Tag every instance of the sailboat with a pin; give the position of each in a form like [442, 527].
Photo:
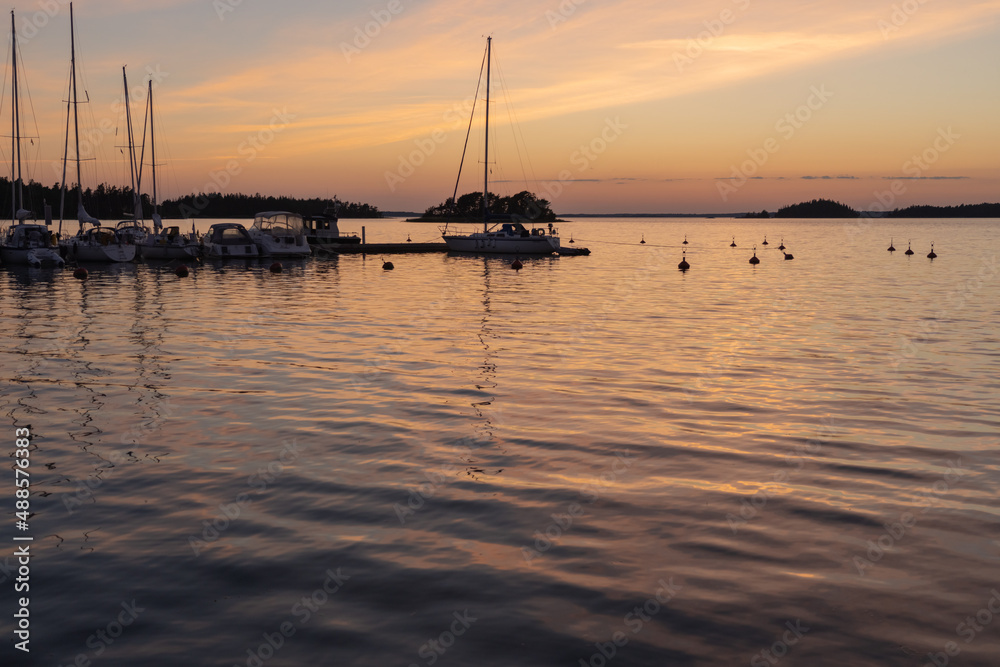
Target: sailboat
[97, 243]
[163, 243]
[501, 234]
[23, 243]
[132, 230]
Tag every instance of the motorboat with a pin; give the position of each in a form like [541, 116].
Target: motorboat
[229, 239]
[280, 234]
[323, 232]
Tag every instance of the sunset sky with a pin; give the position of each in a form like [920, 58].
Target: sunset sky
[630, 106]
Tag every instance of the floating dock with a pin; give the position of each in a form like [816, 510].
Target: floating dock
[382, 248]
[399, 248]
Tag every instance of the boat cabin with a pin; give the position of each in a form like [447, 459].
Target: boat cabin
[229, 233]
[29, 236]
[279, 223]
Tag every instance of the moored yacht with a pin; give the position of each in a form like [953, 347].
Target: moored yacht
[23, 243]
[280, 234]
[96, 244]
[323, 233]
[228, 239]
[501, 234]
[29, 244]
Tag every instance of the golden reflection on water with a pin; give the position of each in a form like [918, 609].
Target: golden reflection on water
[489, 402]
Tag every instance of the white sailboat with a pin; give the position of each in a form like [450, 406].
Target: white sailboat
[97, 243]
[22, 243]
[163, 243]
[132, 230]
[501, 234]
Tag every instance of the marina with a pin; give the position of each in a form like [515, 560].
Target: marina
[282, 389]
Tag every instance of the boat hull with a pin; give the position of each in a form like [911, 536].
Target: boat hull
[219, 251]
[112, 252]
[487, 243]
[168, 251]
[281, 246]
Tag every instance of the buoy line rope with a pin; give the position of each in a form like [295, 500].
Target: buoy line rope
[689, 246]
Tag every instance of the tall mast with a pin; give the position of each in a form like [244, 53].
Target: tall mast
[13, 122]
[76, 123]
[131, 148]
[152, 143]
[486, 150]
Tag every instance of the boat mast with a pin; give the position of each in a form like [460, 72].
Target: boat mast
[152, 151]
[131, 149]
[13, 121]
[486, 150]
[76, 123]
[17, 202]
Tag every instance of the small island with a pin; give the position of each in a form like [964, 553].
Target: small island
[817, 208]
[524, 206]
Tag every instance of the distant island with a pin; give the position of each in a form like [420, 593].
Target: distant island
[817, 208]
[524, 205]
[827, 208]
[963, 211]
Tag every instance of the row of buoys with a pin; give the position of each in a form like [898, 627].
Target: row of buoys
[642, 241]
[909, 249]
[684, 265]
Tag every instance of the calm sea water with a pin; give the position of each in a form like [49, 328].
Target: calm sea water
[595, 460]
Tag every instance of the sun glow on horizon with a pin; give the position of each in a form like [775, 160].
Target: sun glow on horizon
[310, 100]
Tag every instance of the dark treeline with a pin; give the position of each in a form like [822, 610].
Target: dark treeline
[964, 211]
[110, 203]
[469, 206]
[106, 202]
[238, 205]
[826, 208]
